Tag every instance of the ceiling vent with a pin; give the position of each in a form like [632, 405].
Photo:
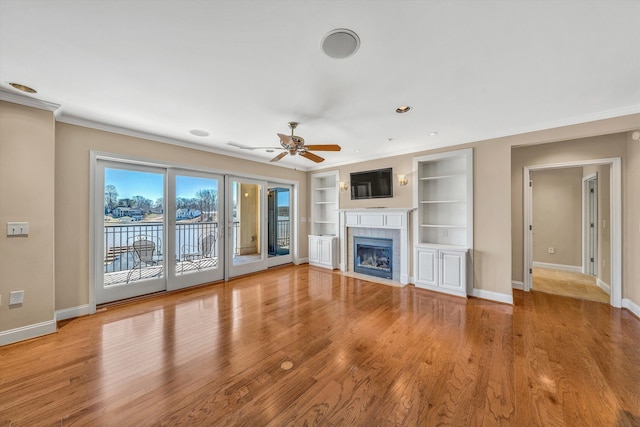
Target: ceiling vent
[340, 43]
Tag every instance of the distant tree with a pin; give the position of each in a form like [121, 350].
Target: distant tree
[182, 203]
[125, 203]
[208, 202]
[159, 203]
[141, 202]
[110, 197]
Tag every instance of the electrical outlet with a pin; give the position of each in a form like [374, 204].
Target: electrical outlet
[16, 297]
[551, 250]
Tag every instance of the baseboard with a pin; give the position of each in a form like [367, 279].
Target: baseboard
[27, 332]
[631, 306]
[300, 261]
[492, 296]
[517, 285]
[604, 286]
[70, 313]
[571, 268]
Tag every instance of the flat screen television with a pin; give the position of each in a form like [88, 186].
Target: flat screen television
[374, 184]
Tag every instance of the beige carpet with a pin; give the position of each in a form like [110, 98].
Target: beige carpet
[568, 284]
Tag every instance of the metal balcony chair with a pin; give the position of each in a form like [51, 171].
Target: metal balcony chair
[202, 253]
[147, 252]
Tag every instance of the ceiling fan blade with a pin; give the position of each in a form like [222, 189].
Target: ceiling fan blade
[323, 147]
[311, 156]
[286, 140]
[279, 156]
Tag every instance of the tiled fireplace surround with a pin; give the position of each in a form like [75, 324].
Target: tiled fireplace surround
[386, 223]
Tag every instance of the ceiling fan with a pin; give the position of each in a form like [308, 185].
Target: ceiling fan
[292, 145]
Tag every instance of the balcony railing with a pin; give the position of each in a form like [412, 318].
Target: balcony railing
[118, 239]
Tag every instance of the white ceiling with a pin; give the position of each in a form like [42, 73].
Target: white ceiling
[470, 70]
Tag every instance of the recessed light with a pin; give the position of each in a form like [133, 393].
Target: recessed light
[403, 109]
[199, 132]
[23, 88]
[340, 43]
[433, 133]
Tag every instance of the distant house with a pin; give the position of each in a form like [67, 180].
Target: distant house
[187, 213]
[134, 213]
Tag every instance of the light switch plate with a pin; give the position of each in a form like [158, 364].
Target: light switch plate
[17, 229]
[16, 297]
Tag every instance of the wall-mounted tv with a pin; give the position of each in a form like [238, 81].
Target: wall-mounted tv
[374, 184]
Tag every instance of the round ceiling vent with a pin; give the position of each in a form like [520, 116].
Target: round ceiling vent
[340, 43]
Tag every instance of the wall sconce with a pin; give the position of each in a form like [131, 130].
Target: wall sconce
[402, 179]
[343, 186]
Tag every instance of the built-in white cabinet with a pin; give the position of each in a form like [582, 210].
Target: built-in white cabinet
[441, 270]
[323, 237]
[323, 251]
[443, 223]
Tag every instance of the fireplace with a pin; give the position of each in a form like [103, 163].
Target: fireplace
[373, 256]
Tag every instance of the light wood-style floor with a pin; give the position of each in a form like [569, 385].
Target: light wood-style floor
[569, 284]
[362, 354]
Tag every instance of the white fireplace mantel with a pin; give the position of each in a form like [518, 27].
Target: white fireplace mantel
[379, 218]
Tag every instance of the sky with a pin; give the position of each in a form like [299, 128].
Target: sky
[151, 185]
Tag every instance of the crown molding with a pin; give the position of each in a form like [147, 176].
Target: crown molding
[29, 101]
[79, 121]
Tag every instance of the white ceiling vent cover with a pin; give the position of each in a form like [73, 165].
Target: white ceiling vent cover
[340, 43]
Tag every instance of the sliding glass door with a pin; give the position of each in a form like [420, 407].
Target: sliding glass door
[162, 228]
[279, 230]
[131, 257]
[197, 228]
[246, 226]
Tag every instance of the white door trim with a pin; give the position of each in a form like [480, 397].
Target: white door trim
[616, 220]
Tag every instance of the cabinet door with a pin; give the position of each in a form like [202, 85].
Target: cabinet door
[314, 249]
[427, 266]
[453, 270]
[326, 252]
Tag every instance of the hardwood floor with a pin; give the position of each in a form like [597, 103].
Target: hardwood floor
[568, 284]
[362, 354]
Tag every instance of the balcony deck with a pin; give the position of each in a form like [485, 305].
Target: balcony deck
[182, 267]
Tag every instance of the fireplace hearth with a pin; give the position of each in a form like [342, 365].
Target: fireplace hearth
[373, 256]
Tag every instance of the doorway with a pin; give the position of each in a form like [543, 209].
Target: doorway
[615, 223]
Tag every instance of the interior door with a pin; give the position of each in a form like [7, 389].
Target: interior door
[246, 232]
[130, 224]
[196, 231]
[279, 230]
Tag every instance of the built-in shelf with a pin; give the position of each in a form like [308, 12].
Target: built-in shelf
[443, 196]
[323, 237]
[443, 224]
[426, 178]
[324, 203]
